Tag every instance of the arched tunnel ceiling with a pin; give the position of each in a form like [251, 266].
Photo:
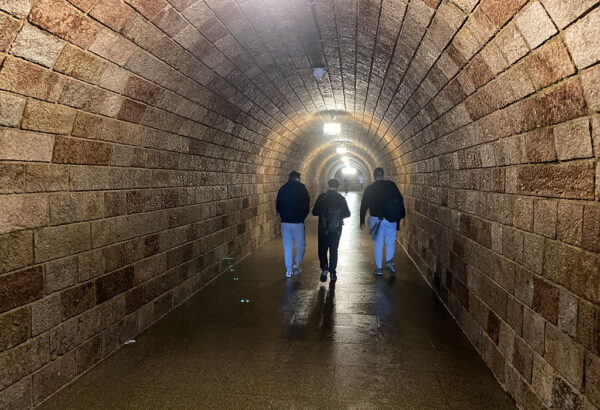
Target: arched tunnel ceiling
[376, 52]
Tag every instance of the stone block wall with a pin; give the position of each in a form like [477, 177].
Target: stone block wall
[132, 162]
[498, 155]
[141, 141]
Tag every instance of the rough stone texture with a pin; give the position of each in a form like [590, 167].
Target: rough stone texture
[565, 355]
[25, 146]
[590, 80]
[45, 117]
[144, 137]
[20, 8]
[592, 378]
[29, 79]
[535, 25]
[11, 110]
[23, 360]
[9, 27]
[567, 313]
[17, 250]
[564, 12]
[113, 13]
[56, 242]
[77, 300]
[17, 396]
[79, 64]
[36, 46]
[16, 328]
[60, 18]
[61, 274]
[581, 40]
[54, 376]
[19, 288]
[23, 212]
[45, 314]
[75, 151]
[573, 140]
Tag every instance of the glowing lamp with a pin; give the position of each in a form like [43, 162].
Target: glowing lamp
[332, 128]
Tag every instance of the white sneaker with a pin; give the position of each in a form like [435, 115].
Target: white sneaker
[288, 274]
[296, 270]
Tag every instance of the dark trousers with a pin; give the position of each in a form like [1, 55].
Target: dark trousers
[329, 242]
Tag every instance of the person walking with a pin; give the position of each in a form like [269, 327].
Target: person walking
[386, 207]
[331, 208]
[293, 205]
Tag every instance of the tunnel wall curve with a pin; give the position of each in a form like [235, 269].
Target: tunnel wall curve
[131, 164]
[497, 156]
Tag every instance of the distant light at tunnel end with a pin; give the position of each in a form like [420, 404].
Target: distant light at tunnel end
[341, 150]
[349, 171]
[332, 128]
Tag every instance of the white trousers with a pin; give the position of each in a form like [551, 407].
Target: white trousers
[386, 234]
[293, 234]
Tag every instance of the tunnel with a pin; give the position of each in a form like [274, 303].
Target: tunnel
[142, 147]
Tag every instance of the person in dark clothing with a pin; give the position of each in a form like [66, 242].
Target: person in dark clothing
[331, 208]
[382, 231]
[293, 205]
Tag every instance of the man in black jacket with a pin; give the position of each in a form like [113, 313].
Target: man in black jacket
[331, 208]
[382, 231]
[293, 205]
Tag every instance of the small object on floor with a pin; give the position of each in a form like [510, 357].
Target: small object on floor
[324, 276]
[390, 266]
[129, 342]
[296, 270]
[333, 277]
[288, 274]
[378, 272]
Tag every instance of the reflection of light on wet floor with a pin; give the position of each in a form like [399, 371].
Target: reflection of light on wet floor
[358, 340]
[351, 234]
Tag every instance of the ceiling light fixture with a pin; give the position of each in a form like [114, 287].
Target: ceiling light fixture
[332, 128]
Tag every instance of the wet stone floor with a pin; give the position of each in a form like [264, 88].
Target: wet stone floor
[366, 343]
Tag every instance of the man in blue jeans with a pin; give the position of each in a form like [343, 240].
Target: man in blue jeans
[293, 205]
[383, 231]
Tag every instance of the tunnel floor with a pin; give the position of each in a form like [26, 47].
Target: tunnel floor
[367, 342]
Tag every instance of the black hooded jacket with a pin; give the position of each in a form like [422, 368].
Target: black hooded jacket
[375, 197]
[293, 202]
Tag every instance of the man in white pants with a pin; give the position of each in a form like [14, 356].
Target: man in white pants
[293, 205]
[383, 231]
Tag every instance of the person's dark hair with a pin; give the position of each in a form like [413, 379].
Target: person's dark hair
[378, 173]
[333, 183]
[294, 175]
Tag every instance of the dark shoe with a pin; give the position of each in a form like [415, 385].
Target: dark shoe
[390, 266]
[324, 276]
[333, 277]
[378, 272]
